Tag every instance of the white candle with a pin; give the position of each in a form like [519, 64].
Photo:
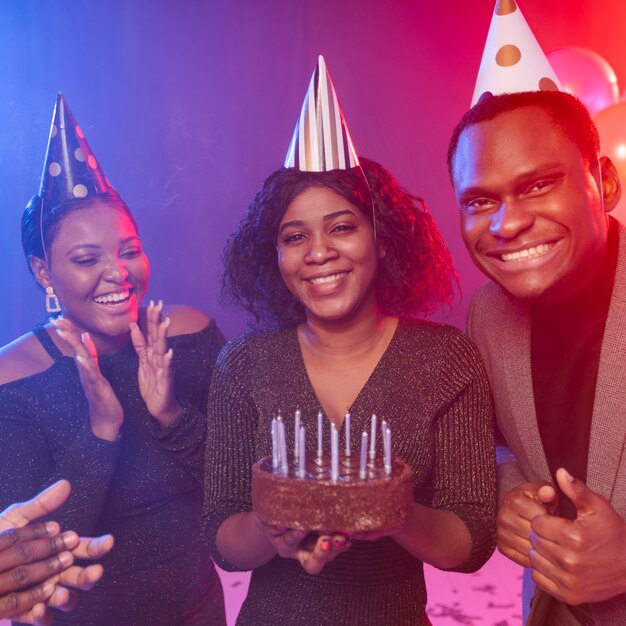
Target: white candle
[373, 437]
[284, 467]
[388, 452]
[363, 465]
[383, 434]
[275, 447]
[320, 434]
[296, 433]
[347, 433]
[302, 457]
[334, 453]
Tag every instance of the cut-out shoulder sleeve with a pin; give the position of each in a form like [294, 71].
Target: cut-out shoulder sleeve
[185, 320]
[22, 358]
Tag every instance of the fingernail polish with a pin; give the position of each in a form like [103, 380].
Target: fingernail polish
[326, 543]
[66, 559]
[339, 542]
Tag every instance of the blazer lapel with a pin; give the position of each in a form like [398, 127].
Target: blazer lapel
[608, 428]
[515, 353]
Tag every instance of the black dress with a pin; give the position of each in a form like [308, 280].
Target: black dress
[145, 488]
[430, 385]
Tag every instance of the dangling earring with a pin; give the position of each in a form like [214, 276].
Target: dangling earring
[52, 302]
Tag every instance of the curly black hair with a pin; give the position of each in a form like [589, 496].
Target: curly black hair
[415, 277]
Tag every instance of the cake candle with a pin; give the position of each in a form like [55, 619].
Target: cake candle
[363, 464]
[275, 447]
[296, 433]
[302, 451]
[347, 433]
[284, 467]
[383, 434]
[388, 452]
[373, 437]
[320, 433]
[334, 453]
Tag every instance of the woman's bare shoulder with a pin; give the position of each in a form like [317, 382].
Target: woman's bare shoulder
[23, 357]
[185, 320]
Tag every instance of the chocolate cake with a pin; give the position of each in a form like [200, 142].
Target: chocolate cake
[316, 502]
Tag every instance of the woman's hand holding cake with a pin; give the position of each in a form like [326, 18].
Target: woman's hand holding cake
[312, 550]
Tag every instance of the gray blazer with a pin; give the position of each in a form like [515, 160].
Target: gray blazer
[499, 324]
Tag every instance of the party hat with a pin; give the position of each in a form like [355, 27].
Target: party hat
[513, 59]
[70, 169]
[321, 141]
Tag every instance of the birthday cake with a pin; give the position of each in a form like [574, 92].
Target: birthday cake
[307, 498]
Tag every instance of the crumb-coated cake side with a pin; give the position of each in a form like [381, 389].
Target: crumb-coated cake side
[349, 504]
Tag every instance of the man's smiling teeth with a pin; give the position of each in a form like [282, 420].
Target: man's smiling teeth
[320, 280]
[528, 253]
[113, 297]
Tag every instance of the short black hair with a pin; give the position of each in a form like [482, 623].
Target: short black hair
[567, 113]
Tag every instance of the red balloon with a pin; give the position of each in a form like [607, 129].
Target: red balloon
[587, 75]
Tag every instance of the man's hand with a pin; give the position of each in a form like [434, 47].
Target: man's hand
[519, 507]
[583, 560]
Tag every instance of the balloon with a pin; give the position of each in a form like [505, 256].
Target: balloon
[611, 124]
[585, 74]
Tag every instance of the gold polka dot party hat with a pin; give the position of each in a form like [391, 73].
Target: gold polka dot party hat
[513, 59]
[70, 169]
[321, 141]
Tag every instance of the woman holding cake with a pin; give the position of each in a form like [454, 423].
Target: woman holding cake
[111, 396]
[343, 262]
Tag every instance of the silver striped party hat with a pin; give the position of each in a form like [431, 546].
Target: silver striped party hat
[321, 141]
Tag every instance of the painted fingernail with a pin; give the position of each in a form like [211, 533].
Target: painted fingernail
[50, 527]
[281, 529]
[160, 305]
[65, 558]
[166, 322]
[568, 476]
[339, 541]
[326, 542]
[70, 539]
[85, 336]
[151, 303]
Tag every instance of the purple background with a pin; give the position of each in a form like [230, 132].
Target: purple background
[190, 104]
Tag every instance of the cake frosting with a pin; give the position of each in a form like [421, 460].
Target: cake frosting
[349, 504]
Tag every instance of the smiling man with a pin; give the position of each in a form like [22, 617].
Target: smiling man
[534, 197]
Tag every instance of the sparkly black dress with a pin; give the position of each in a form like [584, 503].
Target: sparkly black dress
[145, 488]
[430, 385]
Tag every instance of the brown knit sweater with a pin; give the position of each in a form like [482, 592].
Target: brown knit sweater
[431, 387]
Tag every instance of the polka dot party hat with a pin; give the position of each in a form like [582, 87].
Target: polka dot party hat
[513, 59]
[321, 141]
[70, 169]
